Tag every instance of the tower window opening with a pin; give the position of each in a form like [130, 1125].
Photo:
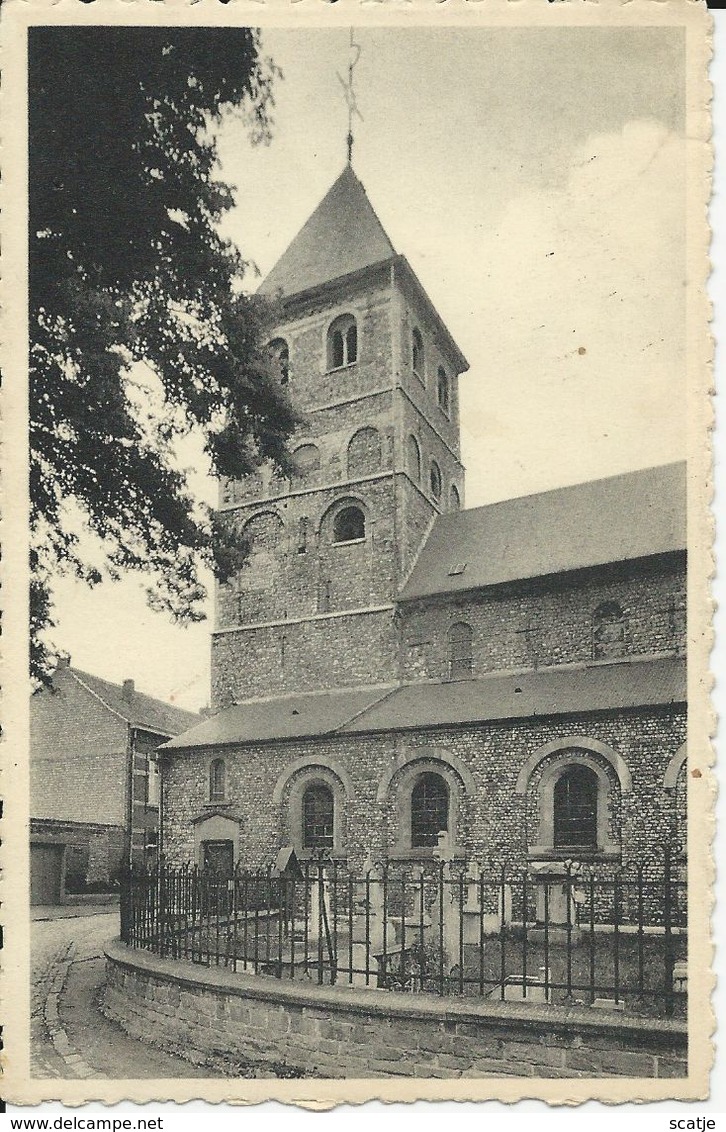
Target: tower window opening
[413, 458]
[342, 342]
[455, 498]
[349, 525]
[417, 354]
[435, 480]
[281, 354]
[442, 391]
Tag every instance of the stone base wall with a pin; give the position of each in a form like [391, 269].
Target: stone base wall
[358, 1033]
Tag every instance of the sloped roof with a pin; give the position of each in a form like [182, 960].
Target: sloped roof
[561, 690]
[342, 236]
[282, 717]
[552, 691]
[588, 524]
[139, 709]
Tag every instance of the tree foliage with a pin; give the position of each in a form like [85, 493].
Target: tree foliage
[129, 276]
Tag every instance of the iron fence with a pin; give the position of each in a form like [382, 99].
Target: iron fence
[540, 934]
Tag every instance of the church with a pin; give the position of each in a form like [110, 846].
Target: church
[390, 667]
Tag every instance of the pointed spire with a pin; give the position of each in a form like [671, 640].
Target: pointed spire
[342, 236]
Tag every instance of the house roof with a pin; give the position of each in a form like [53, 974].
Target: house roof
[138, 709]
[342, 236]
[281, 717]
[561, 690]
[588, 524]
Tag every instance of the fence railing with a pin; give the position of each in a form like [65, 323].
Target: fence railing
[542, 934]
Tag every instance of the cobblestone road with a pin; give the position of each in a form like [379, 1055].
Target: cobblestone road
[70, 1037]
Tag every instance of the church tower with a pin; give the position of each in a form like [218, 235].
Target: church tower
[375, 372]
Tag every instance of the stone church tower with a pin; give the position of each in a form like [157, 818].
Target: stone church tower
[375, 371]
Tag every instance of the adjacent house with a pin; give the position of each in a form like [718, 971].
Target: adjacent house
[94, 794]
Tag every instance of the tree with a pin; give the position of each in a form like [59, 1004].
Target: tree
[140, 329]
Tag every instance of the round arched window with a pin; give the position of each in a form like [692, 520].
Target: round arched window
[417, 353]
[455, 498]
[442, 391]
[318, 817]
[413, 458]
[429, 810]
[342, 342]
[307, 459]
[281, 353]
[575, 809]
[349, 525]
[435, 480]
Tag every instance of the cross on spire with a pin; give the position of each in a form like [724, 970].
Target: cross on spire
[349, 93]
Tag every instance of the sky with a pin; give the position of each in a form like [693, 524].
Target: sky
[535, 181]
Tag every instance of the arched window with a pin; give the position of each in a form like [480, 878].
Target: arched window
[460, 651]
[435, 480]
[455, 498]
[349, 525]
[417, 354]
[307, 459]
[442, 391]
[281, 353]
[575, 809]
[413, 458]
[429, 810]
[318, 816]
[216, 780]
[608, 631]
[365, 453]
[342, 342]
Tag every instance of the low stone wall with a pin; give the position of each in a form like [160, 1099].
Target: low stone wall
[357, 1033]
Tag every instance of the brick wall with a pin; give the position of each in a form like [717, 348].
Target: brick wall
[341, 1032]
[495, 823]
[78, 755]
[559, 614]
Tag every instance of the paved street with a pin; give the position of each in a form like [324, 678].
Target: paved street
[70, 1036]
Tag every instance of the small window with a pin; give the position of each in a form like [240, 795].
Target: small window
[435, 480]
[608, 631]
[302, 535]
[413, 458]
[460, 651]
[455, 498]
[575, 809]
[429, 810]
[153, 791]
[349, 525]
[342, 342]
[217, 780]
[442, 391]
[318, 814]
[281, 353]
[417, 354]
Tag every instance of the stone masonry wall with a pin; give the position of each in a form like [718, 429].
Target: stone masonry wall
[337, 1032]
[548, 621]
[494, 823]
